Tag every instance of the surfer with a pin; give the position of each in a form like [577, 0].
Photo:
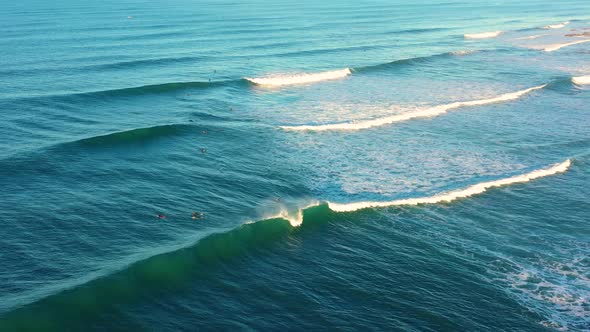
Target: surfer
[160, 216]
[198, 215]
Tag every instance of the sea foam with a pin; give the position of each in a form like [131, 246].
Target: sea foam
[556, 26]
[531, 37]
[429, 112]
[453, 195]
[303, 78]
[558, 46]
[482, 35]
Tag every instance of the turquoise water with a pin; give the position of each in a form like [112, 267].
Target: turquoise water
[113, 112]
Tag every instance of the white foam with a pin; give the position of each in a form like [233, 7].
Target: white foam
[581, 80]
[558, 46]
[482, 35]
[531, 37]
[429, 112]
[556, 26]
[302, 78]
[463, 52]
[295, 218]
[453, 195]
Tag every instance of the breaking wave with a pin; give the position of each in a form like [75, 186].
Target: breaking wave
[187, 261]
[556, 26]
[581, 80]
[453, 195]
[483, 35]
[559, 46]
[303, 78]
[429, 112]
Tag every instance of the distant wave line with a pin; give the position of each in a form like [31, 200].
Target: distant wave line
[304, 78]
[307, 78]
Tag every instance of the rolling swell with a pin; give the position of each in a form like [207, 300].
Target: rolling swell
[158, 88]
[151, 89]
[176, 270]
[46, 160]
[419, 60]
[162, 273]
[136, 135]
[142, 63]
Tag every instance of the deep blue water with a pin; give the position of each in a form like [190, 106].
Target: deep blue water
[112, 112]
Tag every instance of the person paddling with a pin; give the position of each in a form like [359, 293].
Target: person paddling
[160, 216]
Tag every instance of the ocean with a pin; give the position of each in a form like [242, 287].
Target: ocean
[295, 165]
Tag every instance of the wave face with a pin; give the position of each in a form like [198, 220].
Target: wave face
[556, 26]
[581, 80]
[429, 112]
[483, 35]
[453, 195]
[560, 46]
[300, 78]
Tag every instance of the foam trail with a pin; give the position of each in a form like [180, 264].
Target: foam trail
[482, 35]
[301, 78]
[558, 46]
[429, 112]
[556, 26]
[581, 80]
[453, 195]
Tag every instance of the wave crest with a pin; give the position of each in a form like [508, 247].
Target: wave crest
[453, 195]
[482, 35]
[581, 80]
[303, 78]
[556, 26]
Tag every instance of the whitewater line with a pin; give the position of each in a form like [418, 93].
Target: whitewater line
[581, 80]
[556, 26]
[429, 112]
[483, 35]
[454, 195]
[302, 78]
[558, 46]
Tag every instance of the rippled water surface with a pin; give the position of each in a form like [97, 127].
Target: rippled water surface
[375, 164]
